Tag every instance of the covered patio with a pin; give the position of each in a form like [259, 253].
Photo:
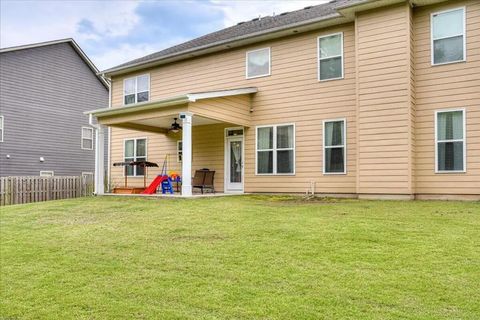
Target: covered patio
[205, 118]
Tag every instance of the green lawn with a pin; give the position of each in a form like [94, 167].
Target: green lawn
[242, 257]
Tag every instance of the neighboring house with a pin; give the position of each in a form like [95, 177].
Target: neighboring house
[373, 99]
[44, 90]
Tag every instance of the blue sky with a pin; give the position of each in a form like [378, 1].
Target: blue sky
[113, 32]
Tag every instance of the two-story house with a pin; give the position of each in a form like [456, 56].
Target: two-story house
[358, 98]
[44, 90]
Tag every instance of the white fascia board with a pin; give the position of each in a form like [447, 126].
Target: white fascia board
[143, 106]
[222, 93]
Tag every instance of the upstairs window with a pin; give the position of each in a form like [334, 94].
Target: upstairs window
[87, 138]
[276, 149]
[136, 89]
[135, 150]
[448, 36]
[450, 141]
[330, 57]
[258, 63]
[334, 155]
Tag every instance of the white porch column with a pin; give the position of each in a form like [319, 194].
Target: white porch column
[186, 153]
[99, 160]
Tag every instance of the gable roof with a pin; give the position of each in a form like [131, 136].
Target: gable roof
[75, 46]
[248, 29]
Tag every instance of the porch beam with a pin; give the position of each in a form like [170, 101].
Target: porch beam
[186, 153]
[140, 127]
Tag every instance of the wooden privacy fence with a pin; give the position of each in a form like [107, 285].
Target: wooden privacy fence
[16, 190]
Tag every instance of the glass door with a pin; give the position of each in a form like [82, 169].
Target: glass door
[234, 163]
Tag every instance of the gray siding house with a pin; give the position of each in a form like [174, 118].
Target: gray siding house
[44, 90]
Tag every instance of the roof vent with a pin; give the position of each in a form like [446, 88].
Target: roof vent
[309, 7]
[240, 23]
[284, 13]
[256, 19]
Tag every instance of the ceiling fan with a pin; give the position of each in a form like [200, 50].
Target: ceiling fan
[176, 127]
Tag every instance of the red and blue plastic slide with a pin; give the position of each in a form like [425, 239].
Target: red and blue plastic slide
[152, 188]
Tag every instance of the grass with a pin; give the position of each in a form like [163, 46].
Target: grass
[245, 257]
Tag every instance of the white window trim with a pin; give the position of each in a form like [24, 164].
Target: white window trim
[274, 173]
[464, 140]
[2, 127]
[178, 151]
[47, 173]
[81, 143]
[269, 63]
[136, 89]
[344, 146]
[135, 154]
[464, 36]
[319, 56]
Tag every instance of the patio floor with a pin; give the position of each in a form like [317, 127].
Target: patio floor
[175, 195]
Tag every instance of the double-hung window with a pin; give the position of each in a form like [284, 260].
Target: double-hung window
[276, 149]
[135, 150]
[87, 138]
[258, 63]
[330, 57]
[136, 89]
[334, 151]
[448, 36]
[450, 141]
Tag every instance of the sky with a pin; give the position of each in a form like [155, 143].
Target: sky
[112, 32]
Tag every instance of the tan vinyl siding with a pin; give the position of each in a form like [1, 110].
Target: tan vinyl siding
[234, 109]
[385, 103]
[445, 87]
[292, 94]
[388, 97]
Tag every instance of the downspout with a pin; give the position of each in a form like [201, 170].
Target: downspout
[109, 80]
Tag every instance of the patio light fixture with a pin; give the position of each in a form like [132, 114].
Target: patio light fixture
[175, 126]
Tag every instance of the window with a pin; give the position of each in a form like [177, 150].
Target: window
[1, 129]
[258, 63]
[87, 138]
[450, 141]
[87, 177]
[179, 151]
[330, 57]
[46, 173]
[276, 149]
[136, 89]
[135, 150]
[334, 155]
[448, 36]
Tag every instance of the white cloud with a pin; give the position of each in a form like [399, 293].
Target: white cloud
[238, 11]
[25, 22]
[106, 29]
